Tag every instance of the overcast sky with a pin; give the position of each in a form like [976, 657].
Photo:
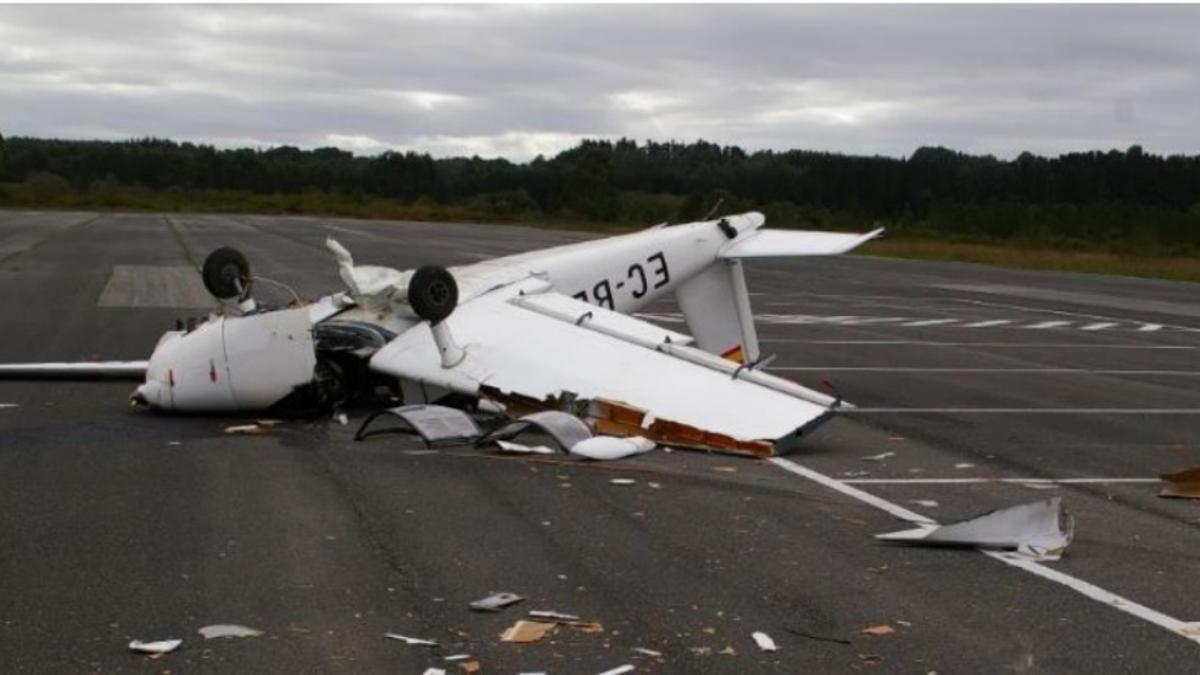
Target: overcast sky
[515, 81]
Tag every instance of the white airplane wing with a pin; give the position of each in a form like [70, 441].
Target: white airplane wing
[535, 350]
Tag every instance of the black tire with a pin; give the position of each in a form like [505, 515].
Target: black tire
[433, 293]
[227, 273]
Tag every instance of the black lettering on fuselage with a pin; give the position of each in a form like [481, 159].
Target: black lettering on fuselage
[664, 277]
[581, 296]
[602, 292]
[641, 275]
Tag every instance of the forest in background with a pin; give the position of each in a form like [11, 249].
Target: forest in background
[1118, 201]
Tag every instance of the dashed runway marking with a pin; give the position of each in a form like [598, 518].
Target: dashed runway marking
[1089, 325]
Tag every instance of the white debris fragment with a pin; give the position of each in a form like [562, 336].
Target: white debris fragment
[620, 670]
[341, 419]
[1041, 530]
[927, 503]
[158, 648]
[457, 657]
[8, 405]
[855, 474]
[548, 614]
[605, 448]
[623, 481]
[764, 641]
[245, 429]
[410, 640]
[495, 602]
[1040, 486]
[521, 449]
[648, 652]
[964, 465]
[228, 630]
[880, 457]
[654, 485]
[434, 671]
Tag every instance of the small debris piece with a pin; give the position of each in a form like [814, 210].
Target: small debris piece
[606, 448]
[228, 630]
[341, 419]
[620, 670]
[410, 640]
[268, 423]
[701, 651]
[1041, 530]
[527, 631]
[870, 659]
[654, 485]
[547, 614]
[419, 453]
[964, 465]
[246, 429]
[764, 641]
[512, 448]
[1181, 484]
[880, 457]
[457, 657]
[878, 631]
[725, 469]
[928, 503]
[728, 651]
[469, 667]
[586, 626]
[855, 474]
[648, 652]
[1040, 485]
[8, 405]
[495, 602]
[821, 638]
[157, 648]
[434, 671]
[623, 481]
[174, 443]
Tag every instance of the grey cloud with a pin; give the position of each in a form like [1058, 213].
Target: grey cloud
[517, 79]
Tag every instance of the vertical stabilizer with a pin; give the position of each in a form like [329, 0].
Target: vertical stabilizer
[716, 307]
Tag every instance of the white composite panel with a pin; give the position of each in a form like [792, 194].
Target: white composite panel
[520, 351]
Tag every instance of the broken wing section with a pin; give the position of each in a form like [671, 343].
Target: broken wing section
[548, 351]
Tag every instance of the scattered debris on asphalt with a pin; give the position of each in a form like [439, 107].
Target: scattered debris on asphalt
[621, 670]
[228, 630]
[880, 457]
[821, 638]
[468, 667]
[410, 640]
[565, 429]
[547, 614]
[246, 429]
[1182, 484]
[878, 631]
[764, 641]
[964, 465]
[495, 602]
[527, 631]
[520, 449]
[622, 481]
[435, 424]
[648, 652]
[608, 448]
[157, 648]
[1041, 530]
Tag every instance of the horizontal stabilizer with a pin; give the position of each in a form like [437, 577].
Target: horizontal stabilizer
[784, 243]
[96, 370]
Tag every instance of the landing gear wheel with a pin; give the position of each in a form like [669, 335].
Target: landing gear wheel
[432, 293]
[226, 273]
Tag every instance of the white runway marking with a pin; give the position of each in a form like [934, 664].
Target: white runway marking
[1016, 481]
[1026, 411]
[987, 324]
[1184, 629]
[1049, 324]
[1022, 371]
[928, 322]
[1101, 325]
[1090, 325]
[993, 345]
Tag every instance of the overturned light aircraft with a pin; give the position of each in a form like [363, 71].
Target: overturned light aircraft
[546, 330]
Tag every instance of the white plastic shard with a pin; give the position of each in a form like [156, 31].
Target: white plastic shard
[620, 670]
[1040, 530]
[158, 647]
[606, 448]
[548, 614]
[228, 630]
[764, 641]
[519, 449]
[410, 640]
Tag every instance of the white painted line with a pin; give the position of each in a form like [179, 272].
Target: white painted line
[1016, 481]
[990, 345]
[1150, 327]
[1026, 411]
[1023, 371]
[1183, 629]
[871, 320]
[987, 324]
[1048, 324]
[1101, 325]
[929, 322]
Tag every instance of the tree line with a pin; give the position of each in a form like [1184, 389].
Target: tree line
[1125, 200]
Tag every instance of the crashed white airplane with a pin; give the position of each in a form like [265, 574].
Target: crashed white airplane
[546, 330]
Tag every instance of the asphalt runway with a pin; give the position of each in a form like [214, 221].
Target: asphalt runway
[119, 524]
